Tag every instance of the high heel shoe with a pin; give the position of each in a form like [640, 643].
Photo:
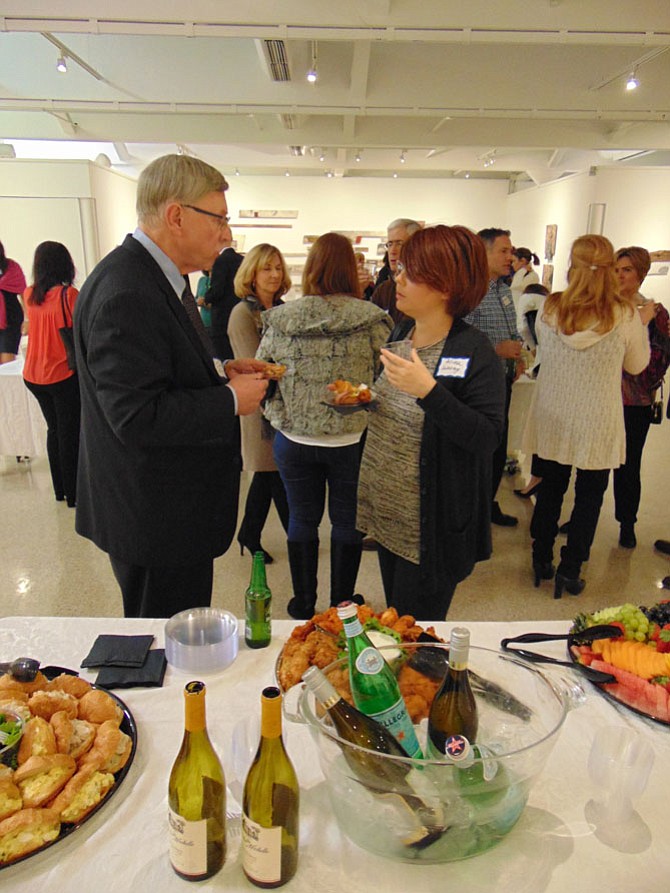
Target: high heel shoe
[543, 570]
[526, 494]
[267, 558]
[572, 585]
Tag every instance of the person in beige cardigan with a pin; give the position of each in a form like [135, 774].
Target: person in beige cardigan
[260, 283]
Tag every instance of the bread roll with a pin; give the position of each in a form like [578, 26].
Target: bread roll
[46, 703]
[73, 736]
[27, 830]
[97, 706]
[10, 798]
[82, 793]
[110, 750]
[38, 740]
[72, 685]
[41, 778]
[8, 684]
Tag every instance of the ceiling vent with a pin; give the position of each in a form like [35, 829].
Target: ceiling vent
[275, 54]
[297, 151]
[288, 122]
[7, 150]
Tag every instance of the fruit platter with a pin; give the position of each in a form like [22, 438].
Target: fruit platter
[639, 659]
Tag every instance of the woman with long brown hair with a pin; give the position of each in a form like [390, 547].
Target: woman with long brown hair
[327, 334]
[588, 332]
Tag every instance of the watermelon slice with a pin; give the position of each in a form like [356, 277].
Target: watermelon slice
[635, 692]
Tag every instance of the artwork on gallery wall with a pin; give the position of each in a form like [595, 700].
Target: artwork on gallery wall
[270, 214]
[550, 234]
[548, 276]
[660, 263]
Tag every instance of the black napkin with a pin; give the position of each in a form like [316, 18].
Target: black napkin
[118, 651]
[150, 675]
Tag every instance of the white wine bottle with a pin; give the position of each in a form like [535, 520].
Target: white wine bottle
[270, 805]
[453, 721]
[196, 797]
[368, 760]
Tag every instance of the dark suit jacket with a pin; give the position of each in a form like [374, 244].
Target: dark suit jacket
[221, 295]
[159, 457]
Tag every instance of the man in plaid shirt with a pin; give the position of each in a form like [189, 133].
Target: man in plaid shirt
[496, 317]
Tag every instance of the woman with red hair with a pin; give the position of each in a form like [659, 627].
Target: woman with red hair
[425, 483]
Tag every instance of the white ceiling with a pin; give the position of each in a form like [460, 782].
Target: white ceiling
[536, 85]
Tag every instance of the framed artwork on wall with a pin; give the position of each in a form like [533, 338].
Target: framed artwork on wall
[548, 276]
[550, 241]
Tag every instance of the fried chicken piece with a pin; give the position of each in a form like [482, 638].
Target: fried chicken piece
[418, 691]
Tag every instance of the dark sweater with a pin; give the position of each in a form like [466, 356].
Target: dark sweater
[464, 416]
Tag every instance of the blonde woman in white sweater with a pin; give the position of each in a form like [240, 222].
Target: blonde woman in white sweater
[588, 334]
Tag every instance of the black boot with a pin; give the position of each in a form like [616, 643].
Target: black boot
[304, 561]
[345, 559]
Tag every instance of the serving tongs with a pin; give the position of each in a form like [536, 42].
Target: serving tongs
[590, 634]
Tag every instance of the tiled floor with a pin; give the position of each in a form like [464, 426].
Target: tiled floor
[47, 569]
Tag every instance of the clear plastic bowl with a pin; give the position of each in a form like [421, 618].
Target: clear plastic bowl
[201, 640]
[8, 752]
[443, 812]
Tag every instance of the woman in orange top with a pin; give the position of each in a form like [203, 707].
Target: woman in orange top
[46, 372]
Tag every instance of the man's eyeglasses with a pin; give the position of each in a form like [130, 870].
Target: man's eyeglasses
[222, 219]
[398, 243]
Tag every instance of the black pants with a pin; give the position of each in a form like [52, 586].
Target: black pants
[499, 457]
[627, 485]
[265, 487]
[163, 591]
[61, 409]
[407, 592]
[590, 488]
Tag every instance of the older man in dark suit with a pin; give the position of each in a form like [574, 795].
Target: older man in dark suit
[159, 461]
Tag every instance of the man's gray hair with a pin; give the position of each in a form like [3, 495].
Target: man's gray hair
[179, 178]
[410, 225]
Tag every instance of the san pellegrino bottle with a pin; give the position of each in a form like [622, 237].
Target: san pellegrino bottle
[270, 804]
[258, 598]
[453, 721]
[373, 683]
[196, 797]
[368, 760]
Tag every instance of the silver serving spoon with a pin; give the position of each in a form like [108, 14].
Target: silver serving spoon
[23, 669]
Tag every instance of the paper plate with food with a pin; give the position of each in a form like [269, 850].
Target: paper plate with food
[76, 746]
[345, 397]
[639, 659]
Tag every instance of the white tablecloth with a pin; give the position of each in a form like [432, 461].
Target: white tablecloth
[124, 847]
[23, 431]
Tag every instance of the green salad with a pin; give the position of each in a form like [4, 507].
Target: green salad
[10, 730]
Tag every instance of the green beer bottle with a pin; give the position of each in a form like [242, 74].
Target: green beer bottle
[373, 683]
[258, 598]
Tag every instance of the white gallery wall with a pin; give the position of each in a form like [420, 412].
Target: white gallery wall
[91, 208]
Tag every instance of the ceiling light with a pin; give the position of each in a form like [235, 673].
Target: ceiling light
[313, 74]
[632, 83]
[322, 156]
[357, 156]
[402, 156]
[395, 174]
[329, 173]
[237, 172]
[61, 64]
[287, 173]
[467, 176]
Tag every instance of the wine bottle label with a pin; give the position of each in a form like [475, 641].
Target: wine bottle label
[456, 749]
[369, 662]
[261, 852]
[397, 721]
[188, 844]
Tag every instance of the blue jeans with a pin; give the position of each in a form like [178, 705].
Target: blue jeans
[305, 471]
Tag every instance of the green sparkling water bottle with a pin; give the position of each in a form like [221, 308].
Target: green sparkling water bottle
[373, 683]
[258, 598]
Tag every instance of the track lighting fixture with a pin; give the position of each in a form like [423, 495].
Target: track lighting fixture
[632, 83]
[287, 173]
[237, 172]
[402, 156]
[313, 74]
[395, 175]
[357, 157]
[61, 64]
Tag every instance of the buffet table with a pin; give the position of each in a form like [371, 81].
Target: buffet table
[124, 846]
[23, 431]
